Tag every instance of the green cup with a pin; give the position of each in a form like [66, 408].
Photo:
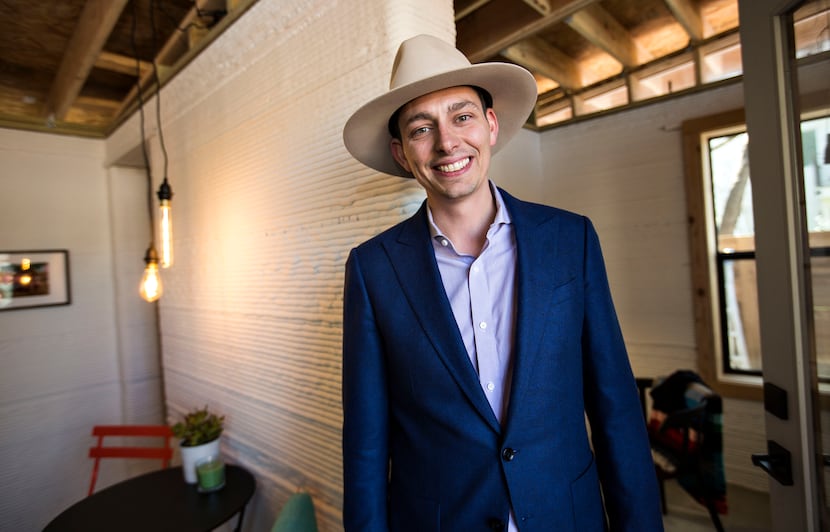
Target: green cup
[210, 472]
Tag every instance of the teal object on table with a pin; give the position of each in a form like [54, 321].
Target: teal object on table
[297, 515]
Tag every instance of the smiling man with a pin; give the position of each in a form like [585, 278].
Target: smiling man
[479, 333]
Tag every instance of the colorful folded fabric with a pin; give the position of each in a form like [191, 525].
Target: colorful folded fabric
[697, 457]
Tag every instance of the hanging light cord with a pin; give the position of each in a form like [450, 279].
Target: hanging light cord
[158, 86]
[141, 120]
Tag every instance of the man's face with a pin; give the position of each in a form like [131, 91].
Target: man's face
[445, 143]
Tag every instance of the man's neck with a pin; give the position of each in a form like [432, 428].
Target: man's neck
[466, 222]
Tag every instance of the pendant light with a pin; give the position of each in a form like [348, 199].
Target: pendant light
[165, 222]
[165, 193]
[150, 287]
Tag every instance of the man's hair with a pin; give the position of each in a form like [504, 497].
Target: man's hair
[395, 128]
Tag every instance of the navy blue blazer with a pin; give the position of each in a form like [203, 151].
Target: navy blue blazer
[422, 449]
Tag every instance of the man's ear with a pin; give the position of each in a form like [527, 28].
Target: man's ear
[494, 126]
[397, 153]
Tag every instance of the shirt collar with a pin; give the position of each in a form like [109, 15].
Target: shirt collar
[502, 216]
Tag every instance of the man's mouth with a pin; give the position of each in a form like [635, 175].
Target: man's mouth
[453, 167]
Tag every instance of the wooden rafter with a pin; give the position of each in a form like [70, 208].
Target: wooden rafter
[121, 63]
[542, 6]
[538, 56]
[688, 16]
[500, 24]
[600, 28]
[94, 27]
[467, 7]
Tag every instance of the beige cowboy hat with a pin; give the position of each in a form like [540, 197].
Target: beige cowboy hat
[426, 64]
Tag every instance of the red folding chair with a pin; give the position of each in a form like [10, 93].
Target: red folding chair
[164, 453]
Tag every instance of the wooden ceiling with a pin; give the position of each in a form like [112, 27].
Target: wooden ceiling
[71, 66]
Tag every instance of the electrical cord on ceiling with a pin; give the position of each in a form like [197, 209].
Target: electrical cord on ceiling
[141, 121]
[158, 86]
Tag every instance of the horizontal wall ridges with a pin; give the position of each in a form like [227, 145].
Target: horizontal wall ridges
[267, 205]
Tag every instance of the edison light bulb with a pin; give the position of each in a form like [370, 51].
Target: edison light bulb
[165, 224]
[150, 288]
[166, 228]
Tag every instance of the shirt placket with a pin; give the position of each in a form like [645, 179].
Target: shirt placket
[481, 304]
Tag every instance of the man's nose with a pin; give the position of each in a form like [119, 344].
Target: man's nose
[446, 140]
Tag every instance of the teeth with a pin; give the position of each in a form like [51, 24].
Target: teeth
[454, 167]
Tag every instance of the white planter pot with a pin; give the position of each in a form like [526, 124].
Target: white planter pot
[191, 455]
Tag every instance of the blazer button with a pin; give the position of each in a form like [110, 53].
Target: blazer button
[497, 525]
[508, 454]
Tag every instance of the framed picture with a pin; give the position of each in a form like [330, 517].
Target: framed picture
[34, 279]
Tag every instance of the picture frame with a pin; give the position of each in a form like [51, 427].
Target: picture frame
[34, 278]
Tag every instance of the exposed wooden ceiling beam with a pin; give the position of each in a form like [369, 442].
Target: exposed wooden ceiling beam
[688, 16]
[169, 51]
[502, 23]
[600, 28]
[182, 46]
[542, 6]
[120, 63]
[537, 55]
[468, 6]
[94, 27]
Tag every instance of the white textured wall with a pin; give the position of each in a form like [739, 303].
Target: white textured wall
[267, 204]
[625, 171]
[517, 168]
[67, 368]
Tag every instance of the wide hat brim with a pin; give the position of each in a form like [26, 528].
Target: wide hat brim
[366, 134]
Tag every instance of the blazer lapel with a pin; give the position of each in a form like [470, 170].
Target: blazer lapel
[537, 276]
[414, 262]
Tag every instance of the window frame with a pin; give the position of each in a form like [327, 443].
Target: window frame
[706, 280]
[704, 271]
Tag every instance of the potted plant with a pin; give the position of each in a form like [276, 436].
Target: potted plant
[198, 435]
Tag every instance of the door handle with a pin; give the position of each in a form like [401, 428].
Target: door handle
[777, 463]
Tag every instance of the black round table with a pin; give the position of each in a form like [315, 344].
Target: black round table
[159, 501]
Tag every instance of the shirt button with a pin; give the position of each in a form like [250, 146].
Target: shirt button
[482, 325]
[491, 386]
[475, 269]
[445, 242]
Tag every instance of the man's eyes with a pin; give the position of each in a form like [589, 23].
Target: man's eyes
[423, 130]
[419, 131]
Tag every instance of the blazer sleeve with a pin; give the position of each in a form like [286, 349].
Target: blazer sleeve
[365, 409]
[612, 404]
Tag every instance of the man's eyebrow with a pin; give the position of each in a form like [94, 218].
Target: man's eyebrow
[456, 106]
[462, 104]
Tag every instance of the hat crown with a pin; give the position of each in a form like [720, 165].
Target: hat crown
[422, 57]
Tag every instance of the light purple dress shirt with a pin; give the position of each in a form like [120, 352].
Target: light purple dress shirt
[482, 292]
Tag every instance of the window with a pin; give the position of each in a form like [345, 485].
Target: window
[719, 195]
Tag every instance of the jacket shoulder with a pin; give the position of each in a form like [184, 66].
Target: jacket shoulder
[538, 213]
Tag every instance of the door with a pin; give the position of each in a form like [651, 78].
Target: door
[786, 287]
